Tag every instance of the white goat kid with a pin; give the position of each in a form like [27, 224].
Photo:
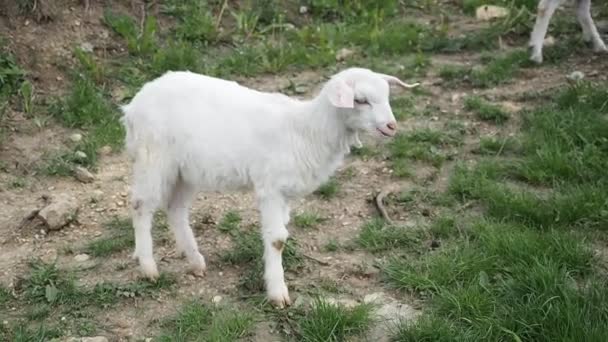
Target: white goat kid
[546, 9]
[187, 132]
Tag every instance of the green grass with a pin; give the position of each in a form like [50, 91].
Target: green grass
[525, 269]
[328, 190]
[497, 145]
[496, 70]
[376, 236]
[485, 110]
[307, 220]
[330, 322]
[422, 145]
[230, 222]
[121, 238]
[47, 292]
[196, 321]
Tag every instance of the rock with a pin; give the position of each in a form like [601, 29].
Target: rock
[303, 9]
[373, 298]
[511, 107]
[80, 155]
[549, 41]
[86, 47]
[105, 150]
[76, 137]
[343, 54]
[216, 299]
[489, 12]
[576, 76]
[82, 257]
[61, 211]
[83, 175]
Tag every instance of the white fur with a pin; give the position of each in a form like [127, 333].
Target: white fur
[187, 132]
[546, 9]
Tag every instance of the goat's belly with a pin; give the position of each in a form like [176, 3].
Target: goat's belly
[216, 178]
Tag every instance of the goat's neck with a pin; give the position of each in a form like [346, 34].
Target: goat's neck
[323, 130]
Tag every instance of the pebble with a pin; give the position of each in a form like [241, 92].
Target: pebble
[80, 155]
[216, 299]
[105, 150]
[303, 9]
[82, 257]
[86, 47]
[76, 137]
[83, 175]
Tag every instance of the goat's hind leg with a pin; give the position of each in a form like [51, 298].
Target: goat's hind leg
[144, 204]
[590, 33]
[178, 218]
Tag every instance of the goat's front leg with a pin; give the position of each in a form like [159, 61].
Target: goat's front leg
[274, 234]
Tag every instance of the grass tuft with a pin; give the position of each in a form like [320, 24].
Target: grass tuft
[332, 322]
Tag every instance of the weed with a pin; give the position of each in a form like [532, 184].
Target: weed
[121, 238]
[307, 220]
[485, 110]
[331, 246]
[328, 190]
[230, 222]
[139, 43]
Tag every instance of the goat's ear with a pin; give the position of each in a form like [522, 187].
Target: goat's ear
[394, 80]
[342, 95]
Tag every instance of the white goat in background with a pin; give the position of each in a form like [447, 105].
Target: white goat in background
[187, 132]
[546, 9]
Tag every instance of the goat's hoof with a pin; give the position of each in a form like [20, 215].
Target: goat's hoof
[149, 270]
[537, 58]
[600, 48]
[198, 267]
[280, 303]
[279, 298]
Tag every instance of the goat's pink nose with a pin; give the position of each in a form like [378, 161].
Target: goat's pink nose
[392, 126]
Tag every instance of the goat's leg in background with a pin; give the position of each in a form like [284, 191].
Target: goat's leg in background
[545, 11]
[590, 34]
[274, 235]
[178, 219]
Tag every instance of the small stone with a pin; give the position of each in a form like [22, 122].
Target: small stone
[77, 22]
[94, 339]
[343, 54]
[86, 47]
[105, 150]
[489, 12]
[83, 175]
[576, 76]
[120, 203]
[76, 137]
[82, 257]
[97, 193]
[549, 41]
[303, 9]
[373, 298]
[216, 299]
[80, 155]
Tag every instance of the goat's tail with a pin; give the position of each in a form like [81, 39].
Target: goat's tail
[131, 136]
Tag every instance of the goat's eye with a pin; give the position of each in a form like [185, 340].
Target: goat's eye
[361, 101]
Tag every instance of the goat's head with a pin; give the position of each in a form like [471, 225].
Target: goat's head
[363, 97]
